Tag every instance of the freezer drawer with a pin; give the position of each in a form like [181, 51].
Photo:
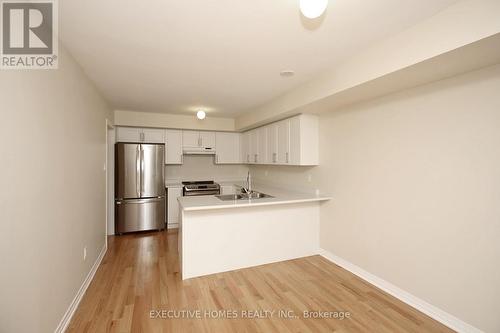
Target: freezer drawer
[139, 214]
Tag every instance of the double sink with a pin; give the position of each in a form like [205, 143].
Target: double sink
[243, 196]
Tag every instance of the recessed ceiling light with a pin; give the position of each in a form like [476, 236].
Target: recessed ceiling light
[287, 73]
[313, 8]
[201, 114]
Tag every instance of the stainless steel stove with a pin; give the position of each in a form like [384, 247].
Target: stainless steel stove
[195, 188]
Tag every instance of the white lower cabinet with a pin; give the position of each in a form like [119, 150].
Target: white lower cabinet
[173, 206]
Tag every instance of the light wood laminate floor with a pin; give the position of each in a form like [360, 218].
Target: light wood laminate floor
[140, 274]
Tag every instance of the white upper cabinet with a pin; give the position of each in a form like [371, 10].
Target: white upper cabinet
[134, 134]
[304, 140]
[272, 143]
[262, 146]
[245, 147]
[207, 139]
[173, 147]
[227, 146]
[198, 139]
[191, 139]
[153, 135]
[128, 134]
[292, 141]
[283, 147]
[254, 146]
[257, 146]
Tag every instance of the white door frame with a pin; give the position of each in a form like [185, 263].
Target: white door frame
[109, 191]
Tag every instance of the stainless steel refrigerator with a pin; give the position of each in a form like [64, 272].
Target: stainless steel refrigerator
[139, 187]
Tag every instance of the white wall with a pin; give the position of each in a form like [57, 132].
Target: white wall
[52, 201]
[203, 168]
[415, 179]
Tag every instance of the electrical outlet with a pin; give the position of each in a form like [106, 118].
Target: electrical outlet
[84, 253]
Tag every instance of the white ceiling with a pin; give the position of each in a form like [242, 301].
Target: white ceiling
[175, 56]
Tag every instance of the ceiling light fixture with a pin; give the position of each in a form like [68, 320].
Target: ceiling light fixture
[287, 73]
[313, 8]
[201, 114]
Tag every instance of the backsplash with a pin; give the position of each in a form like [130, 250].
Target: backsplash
[297, 178]
[202, 167]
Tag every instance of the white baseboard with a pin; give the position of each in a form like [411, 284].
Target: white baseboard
[437, 314]
[78, 297]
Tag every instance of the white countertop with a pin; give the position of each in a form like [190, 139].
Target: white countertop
[280, 197]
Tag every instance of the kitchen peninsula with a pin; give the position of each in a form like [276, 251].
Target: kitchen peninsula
[221, 235]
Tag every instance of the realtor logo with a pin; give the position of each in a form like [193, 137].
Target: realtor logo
[29, 34]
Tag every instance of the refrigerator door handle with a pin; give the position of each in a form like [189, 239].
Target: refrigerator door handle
[142, 170]
[138, 170]
[140, 201]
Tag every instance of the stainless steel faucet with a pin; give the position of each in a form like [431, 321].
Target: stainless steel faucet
[248, 189]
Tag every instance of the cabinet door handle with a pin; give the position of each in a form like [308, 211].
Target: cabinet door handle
[274, 157]
[287, 159]
[248, 158]
[255, 158]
